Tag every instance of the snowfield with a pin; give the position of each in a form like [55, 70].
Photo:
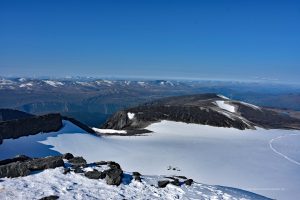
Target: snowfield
[225, 106]
[217, 156]
[130, 115]
[109, 131]
[54, 83]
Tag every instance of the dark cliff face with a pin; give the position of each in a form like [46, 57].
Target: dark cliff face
[13, 129]
[9, 114]
[201, 109]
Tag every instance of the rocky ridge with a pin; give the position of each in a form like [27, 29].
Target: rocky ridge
[207, 109]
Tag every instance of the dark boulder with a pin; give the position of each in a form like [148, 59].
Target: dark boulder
[13, 170]
[50, 162]
[95, 174]
[113, 176]
[113, 164]
[20, 158]
[51, 197]
[175, 182]
[67, 156]
[136, 174]
[189, 182]
[162, 184]
[78, 161]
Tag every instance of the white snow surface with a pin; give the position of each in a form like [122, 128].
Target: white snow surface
[225, 106]
[250, 105]
[130, 115]
[26, 85]
[223, 97]
[213, 155]
[76, 186]
[106, 131]
[53, 83]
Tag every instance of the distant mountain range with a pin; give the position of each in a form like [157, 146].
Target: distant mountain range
[93, 101]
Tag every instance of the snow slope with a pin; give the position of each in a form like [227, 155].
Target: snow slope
[76, 186]
[213, 155]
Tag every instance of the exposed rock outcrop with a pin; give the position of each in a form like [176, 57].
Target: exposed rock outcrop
[114, 174]
[20, 158]
[10, 114]
[30, 126]
[15, 124]
[201, 109]
[78, 161]
[16, 167]
[79, 124]
[50, 162]
[163, 183]
[95, 174]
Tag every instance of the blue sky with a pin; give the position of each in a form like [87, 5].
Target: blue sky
[205, 39]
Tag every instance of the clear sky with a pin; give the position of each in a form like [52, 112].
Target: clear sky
[211, 39]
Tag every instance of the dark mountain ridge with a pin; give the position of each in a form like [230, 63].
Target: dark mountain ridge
[202, 109]
[15, 124]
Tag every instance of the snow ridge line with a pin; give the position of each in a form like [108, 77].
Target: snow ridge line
[281, 154]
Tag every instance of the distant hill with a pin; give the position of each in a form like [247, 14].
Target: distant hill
[208, 109]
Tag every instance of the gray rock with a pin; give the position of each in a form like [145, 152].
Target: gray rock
[78, 161]
[51, 197]
[189, 182]
[162, 184]
[20, 158]
[113, 164]
[175, 182]
[67, 156]
[113, 176]
[95, 174]
[23, 168]
[13, 170]
[136, 174]
[78, 170]
[50, 162]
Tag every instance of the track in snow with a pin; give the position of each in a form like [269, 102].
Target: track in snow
[281, 154]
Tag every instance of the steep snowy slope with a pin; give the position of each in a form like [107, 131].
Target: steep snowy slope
[75, 186]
